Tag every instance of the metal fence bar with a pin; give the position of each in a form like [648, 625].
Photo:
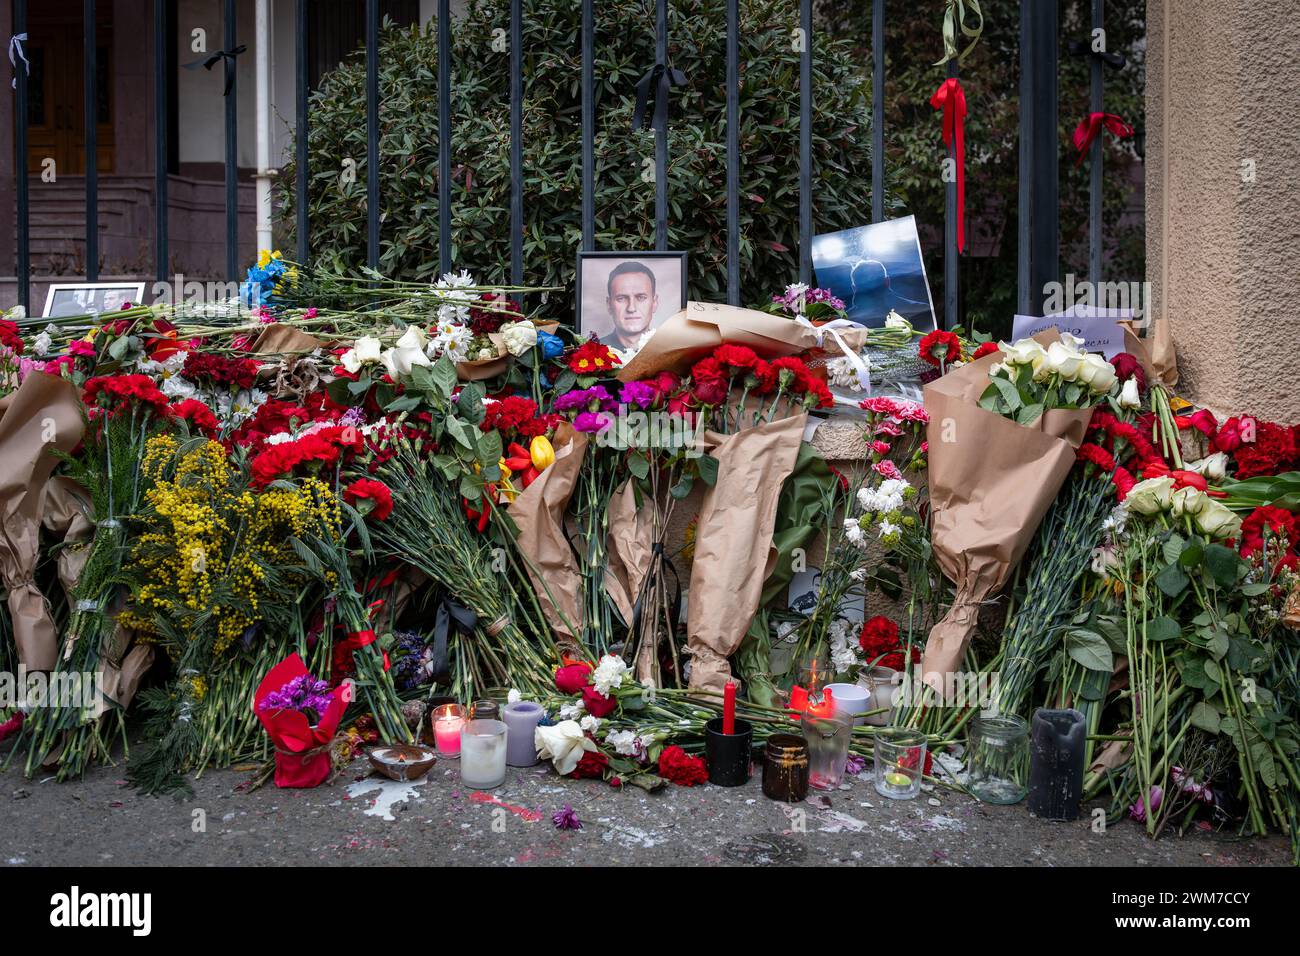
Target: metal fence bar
[232, 149]
[1095, 184]
[588, 129]
[516, 143]
[300, 138]
[661, 135]
[24, 269]
[161, 56]
[444, 136]
[877, 110]
[372, 133]
[951, 255]
[733, 152]
[805, 144]
[1039, 217]
[90, 54]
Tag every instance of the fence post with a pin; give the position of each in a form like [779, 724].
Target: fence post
[90, 110]
[1096, 98]
[444, 137]
[516, 143]
[588, 130]
[232, 148]
[372, 133]
[161, 108]
[733, 152]
[301, 131]
[951, 254]
[877, 110]
[805, 144]
[20, 166]
[1039, 241]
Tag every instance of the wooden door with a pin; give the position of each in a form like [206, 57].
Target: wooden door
[56, 95]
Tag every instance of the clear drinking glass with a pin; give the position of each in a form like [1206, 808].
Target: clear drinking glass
[900, 762]
[999, 758]
[828, 750]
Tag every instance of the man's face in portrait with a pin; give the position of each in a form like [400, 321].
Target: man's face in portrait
[632, 304]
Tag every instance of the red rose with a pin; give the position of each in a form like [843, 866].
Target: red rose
[1229, 437]
[572, 678]
[597, 704]
[988, 348]
[679, 767]
[1202, 420]
[1128, 366]
[369, 490]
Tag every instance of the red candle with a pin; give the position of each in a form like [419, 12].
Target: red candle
[729, 708]
[826, 708]
[798, 699]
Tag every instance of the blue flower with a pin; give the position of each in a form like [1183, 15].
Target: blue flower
[551, 345]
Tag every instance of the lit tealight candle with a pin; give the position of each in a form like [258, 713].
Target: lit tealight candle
[447, 723]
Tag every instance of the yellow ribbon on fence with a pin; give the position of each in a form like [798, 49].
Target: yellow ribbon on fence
[954, 20]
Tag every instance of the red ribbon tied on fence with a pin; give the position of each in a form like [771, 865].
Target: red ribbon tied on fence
[951, 98]
[1089, 129]
[359, 639]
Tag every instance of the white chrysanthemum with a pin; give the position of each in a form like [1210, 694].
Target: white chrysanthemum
[572, 711]
[853, 531]
[42, 343]
[609, 674]
[178, 388]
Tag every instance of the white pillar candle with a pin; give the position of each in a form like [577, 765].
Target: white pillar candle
[483, 754]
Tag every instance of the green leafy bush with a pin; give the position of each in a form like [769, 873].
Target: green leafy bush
[624, 202]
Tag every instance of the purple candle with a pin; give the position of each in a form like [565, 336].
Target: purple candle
[521, 722]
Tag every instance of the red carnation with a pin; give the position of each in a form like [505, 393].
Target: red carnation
[987, 348]
[103, 389]
[197, 414]
[1278, 521]
[679, 767]
[592, 766]
[940, 347]
[9, 336]
[881, 644]
[572, 678]
[370, 497]
[1123, 481]
[737, 356]
[1273, 451]
[1096, 455]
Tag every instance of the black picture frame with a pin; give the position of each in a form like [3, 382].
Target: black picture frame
[601, 324]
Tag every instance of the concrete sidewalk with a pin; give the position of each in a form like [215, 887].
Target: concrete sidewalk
[374, 821]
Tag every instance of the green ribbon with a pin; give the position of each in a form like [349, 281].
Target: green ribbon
[954, 19]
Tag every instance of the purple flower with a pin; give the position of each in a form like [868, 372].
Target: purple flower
[1139, 810]
[566, 819]
[591, 422]
[303, 693]
[641, 394]
[594, 399]
[854, 765]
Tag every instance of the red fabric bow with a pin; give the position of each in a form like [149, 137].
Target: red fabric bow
[1089, 129]
[359, 639]
[951, 98]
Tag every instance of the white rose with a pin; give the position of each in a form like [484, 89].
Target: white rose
[895, 321]
[563, 745]
[1064, 361]
[1189, 501]
[1128, 395]
[1214, 467]
[1024, 352]
[1217, 520]
[1097, 373]
[17, 313]
[519, 337]
[1151, 496]
[368, 349]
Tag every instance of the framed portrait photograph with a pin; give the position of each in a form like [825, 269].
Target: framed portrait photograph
[624, 296]
[876, 269]
[90, 298]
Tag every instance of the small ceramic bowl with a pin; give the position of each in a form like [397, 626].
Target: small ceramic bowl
[403, 762]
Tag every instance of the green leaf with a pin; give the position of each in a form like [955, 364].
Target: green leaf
[1163, 629]
[1172, 580]
[1089, 649]
[443, 377]
[489, 448]
[1008, 392]
[708, 466]
[1222, 563]
[1206, 717]
[1217, 644]
[638, 465]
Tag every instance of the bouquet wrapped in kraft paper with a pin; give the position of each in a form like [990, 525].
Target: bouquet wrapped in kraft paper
[991, 482]
[703, 326]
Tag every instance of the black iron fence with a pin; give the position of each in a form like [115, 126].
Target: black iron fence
[1038, 159]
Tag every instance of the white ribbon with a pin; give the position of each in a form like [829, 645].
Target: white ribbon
[833, 327]
[16, 46]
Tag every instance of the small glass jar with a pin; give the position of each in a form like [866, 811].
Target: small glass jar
[447, 721]
[485, 709]
[998, 758]
[900, 762]
[828, 750]
[785, 768]
[483, 754]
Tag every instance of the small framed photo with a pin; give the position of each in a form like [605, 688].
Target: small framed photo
[90, 298]
[625, 296]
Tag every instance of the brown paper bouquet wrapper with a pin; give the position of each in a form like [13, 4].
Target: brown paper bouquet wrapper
[280, 339]
[477, 370]
[538, 513]
[1155, 352]
[702, 326]
[733, 541]
[44, 414]
[991, 483]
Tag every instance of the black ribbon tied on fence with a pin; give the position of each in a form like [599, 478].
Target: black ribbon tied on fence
[449, 615]
[1084, 48]
[657, 83]
[221, 56]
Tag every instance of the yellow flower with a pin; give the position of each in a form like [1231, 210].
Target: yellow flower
[541, 452]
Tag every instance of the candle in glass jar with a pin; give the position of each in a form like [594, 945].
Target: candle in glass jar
[447, 723]
[483, 754]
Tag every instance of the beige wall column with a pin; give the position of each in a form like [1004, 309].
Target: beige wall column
[1223, 198]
